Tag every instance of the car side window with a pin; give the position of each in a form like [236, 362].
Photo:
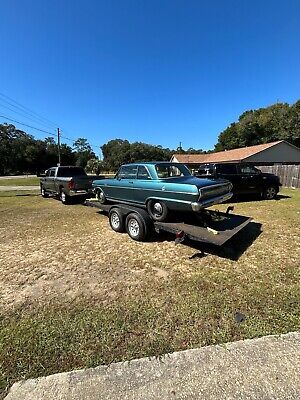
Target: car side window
[248, 169]
[127, 172]
[228, 169]
[52, 172]
[143, 173]
[48, 172]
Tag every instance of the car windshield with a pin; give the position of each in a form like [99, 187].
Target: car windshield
[171, 170]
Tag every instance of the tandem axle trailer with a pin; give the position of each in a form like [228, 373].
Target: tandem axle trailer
[211, 227]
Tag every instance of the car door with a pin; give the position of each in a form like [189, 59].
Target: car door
[143, 185]
[250, 179]
[123, 188]
[49, 180]
[229, 172]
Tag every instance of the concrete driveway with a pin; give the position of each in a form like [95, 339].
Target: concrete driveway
[267, 368]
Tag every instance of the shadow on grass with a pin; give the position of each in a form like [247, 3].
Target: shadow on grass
[250, 198]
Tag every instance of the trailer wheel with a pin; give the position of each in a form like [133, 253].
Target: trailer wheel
[64, 198]
[135, 227]
[44, 193]
[116, 220]
[157, 210]
[100, 196]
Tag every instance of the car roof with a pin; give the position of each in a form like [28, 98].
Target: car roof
[153, 163]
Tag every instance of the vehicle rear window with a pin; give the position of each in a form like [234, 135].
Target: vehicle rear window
[171, 171]
[127, 172]
[228, 169]
[143, 173]
[65, 172]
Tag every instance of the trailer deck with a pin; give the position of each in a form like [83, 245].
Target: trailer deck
[211, 227]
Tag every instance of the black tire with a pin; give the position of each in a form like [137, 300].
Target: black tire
[135, 227]
[270, 192]
[44, 193]
[100, 196]
[157, 210]
[116, 220]
[64, 198]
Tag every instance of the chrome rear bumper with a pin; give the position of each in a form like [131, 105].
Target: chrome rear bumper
[199, 205]
[78, 192]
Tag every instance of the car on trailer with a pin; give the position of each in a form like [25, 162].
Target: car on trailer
[161, 188]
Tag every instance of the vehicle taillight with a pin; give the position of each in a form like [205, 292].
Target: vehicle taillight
[71, 184]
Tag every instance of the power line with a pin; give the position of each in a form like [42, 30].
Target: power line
[26, 108]
[33, 127]
[24, 115]
[33, 114]
[28, 126]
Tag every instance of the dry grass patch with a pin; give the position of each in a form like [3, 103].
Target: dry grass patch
[75, 294]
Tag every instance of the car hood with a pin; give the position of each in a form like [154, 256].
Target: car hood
[193, 180]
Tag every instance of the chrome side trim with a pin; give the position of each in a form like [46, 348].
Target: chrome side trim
[152, 190]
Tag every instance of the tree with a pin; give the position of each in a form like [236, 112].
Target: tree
[276, 122]
[83, 152]
[118, 151]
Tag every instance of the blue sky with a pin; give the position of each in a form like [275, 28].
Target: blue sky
[155, 71]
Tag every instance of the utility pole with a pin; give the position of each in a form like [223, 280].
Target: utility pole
[58, 146]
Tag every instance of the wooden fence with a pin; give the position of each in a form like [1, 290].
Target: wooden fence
[289, 174]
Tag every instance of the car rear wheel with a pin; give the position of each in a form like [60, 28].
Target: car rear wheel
[135, 227]
[270, 193]
[157, 210]
[100, 196]
[116, 220]
[64, 198]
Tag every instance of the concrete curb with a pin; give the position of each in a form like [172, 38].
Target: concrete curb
[14, 188]
[264, 368]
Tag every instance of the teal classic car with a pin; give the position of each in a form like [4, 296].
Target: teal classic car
[161, 187]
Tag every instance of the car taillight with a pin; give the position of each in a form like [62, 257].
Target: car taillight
[71, 184]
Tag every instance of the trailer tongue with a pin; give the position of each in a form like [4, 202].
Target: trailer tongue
[211, 227]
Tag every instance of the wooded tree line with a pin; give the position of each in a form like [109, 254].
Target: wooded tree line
[279, 121]
[22, 153]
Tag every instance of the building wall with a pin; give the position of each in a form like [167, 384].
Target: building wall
[282, 153]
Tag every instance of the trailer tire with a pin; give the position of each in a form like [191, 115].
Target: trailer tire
[44, 193]
[135, 227]
[157, 210]
[116, 220]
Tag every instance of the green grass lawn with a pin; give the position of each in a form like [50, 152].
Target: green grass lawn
[30, 181]
[76, 294]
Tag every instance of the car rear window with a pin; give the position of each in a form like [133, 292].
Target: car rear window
[171, 171]
[229, 169]
[127, 172]
[65, 172]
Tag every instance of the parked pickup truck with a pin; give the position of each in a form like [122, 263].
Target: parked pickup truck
[66, 182]
[245, 178]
